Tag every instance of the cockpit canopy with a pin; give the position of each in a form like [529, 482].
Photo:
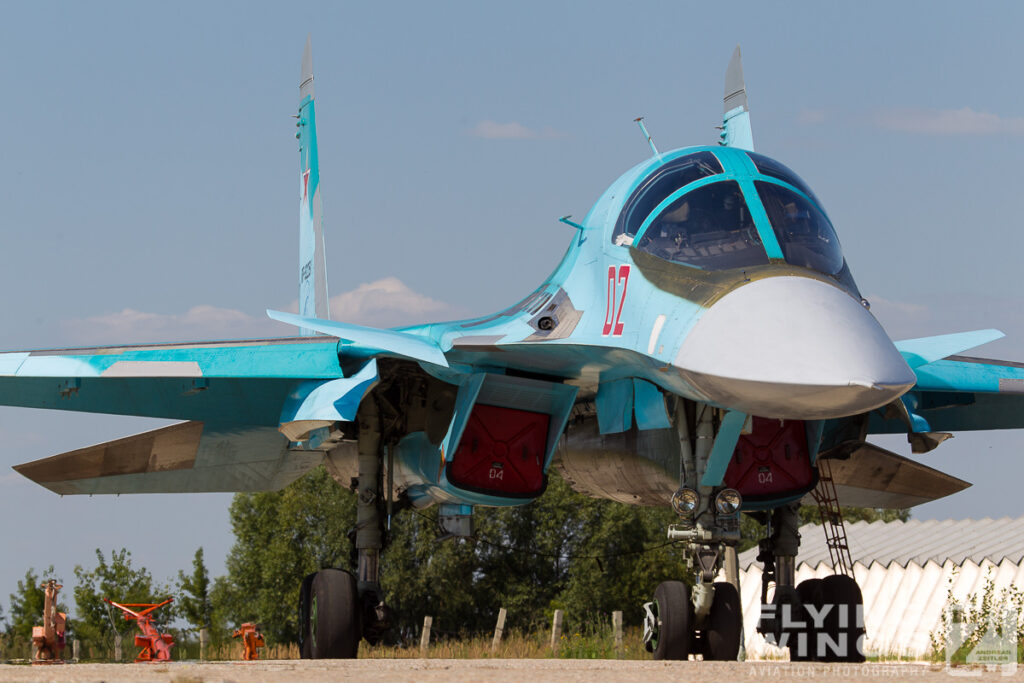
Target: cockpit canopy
[693, 211]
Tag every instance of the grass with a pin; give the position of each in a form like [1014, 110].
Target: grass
[589, 643]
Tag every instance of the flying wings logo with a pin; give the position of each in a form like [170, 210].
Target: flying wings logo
[989, 646]
[617, 280]
[305, 185]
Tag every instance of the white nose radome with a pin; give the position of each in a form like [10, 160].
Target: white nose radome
[795, 348]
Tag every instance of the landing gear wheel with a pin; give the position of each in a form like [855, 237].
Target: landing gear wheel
[304, 596]
[811, 594]
[787, 609]
[721, 637]
[673, 621]
[844, 621]
[334, 629]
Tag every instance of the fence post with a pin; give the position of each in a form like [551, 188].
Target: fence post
[76, 649]
[499, 629]
[204, 638]
[617, 630]
[556, 629]
[117, 647]
[425, 637]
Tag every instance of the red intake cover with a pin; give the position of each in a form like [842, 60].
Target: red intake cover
[772, 461]
[501, 452]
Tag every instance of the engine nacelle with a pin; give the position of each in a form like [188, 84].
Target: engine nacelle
[640, 467]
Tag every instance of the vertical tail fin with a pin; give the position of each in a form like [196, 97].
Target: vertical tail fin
[313, 301]
[736, 130]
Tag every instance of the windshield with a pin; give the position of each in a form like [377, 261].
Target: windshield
[770, 167]
[660, 184]
[709, 227]
[804, 233]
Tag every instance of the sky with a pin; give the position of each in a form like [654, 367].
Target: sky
[148, 185]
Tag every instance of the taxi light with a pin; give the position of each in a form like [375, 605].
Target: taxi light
[728, 501]
[685, 501]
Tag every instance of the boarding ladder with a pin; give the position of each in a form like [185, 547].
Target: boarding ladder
[832, 520]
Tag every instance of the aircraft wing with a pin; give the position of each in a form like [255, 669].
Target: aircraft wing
[871, 476]
[185, 457]
[243, 382]
[236, 398]
[961, 393]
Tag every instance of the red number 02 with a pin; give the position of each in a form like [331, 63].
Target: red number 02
[614, 302]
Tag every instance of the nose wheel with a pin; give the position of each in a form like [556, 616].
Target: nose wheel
[668, 620]
[671, 629]
[720, 639]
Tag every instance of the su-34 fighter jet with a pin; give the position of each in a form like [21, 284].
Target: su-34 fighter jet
[702, 344]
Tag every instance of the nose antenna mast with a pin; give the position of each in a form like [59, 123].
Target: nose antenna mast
[640, 122]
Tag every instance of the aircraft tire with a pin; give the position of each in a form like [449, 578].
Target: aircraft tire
[811, 593]
[675, 612]
[334, 629]
[725, 624]
[304, 594]
[839, 590]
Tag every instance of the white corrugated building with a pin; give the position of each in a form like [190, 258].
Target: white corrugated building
[904, 570]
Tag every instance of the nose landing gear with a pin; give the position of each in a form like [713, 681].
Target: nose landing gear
[707, 619]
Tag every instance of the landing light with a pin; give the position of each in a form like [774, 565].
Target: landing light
[728, 501]
[685, 501]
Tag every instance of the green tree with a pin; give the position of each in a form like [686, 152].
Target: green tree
[27, 604]
[194, 591]
[280, 537]
[621, 557]
[753, 531]
[118, 580]
[810, 514]
[564, 550]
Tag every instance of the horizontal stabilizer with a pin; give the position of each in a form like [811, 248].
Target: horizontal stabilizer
[188, 457]
[369, 341]
[877, 478]
[918, 352]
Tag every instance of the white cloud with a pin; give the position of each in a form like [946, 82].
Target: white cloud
[964, 121]
[492, 130]
[388, 302]
[198, 323]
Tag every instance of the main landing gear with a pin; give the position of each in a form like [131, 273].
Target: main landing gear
[337, 609]
[819, 620]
